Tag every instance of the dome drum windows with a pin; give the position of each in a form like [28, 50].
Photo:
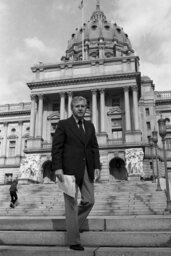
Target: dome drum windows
[13, 130]
[94, 27]
[107, 27]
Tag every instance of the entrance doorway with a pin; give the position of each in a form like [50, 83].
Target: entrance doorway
[117, 169]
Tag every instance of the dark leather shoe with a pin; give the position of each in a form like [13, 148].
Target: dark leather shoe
[77, 247]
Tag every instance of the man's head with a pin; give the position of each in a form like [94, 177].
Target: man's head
[79, 106]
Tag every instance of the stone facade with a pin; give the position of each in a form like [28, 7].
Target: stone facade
[122, 104]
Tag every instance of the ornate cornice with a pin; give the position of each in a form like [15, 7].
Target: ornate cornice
[82, 80]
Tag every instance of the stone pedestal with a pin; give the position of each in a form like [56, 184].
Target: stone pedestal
[34, 143]
[134, 162]
[30, 170]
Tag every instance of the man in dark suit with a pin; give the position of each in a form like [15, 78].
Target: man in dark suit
[75, 152]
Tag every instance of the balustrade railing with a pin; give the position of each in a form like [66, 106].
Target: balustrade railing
[116, 142]
[163, 95]
[15, 107]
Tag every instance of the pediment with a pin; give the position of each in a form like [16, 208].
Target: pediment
[12, 137]
[114, 111]
[26, 135]
[54, 116]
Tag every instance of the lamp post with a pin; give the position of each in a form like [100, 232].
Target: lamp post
[155, 140]
[150, 140]
[162, 132]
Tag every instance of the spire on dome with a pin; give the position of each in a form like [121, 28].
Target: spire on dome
[102, 39]
[98, 5]
[98, 14]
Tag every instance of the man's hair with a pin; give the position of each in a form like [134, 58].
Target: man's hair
[77, 99]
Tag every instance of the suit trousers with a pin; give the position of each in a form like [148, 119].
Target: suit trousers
[77, 214]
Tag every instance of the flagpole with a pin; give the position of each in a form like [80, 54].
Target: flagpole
[83, 32]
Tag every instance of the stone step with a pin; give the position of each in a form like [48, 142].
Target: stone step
[98, 213]
[103, 223]
[89, 251]
[90, 238]
[113, 205]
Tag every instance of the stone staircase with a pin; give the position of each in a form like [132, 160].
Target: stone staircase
[116, 198]
[128, 219]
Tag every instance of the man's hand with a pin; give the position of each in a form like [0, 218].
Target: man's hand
[59, 174]
[97, 174]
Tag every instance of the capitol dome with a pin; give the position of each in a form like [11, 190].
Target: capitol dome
[102, 39]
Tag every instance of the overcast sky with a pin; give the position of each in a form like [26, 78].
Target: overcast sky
[38, 30]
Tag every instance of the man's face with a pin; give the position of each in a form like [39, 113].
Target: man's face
[79, 109]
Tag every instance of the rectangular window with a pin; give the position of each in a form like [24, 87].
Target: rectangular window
[12, 145]
[147, 111]
[116, 102]
[55, 107]
[117, 135]
[148, 126]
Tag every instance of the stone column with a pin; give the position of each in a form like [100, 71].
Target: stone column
[94, 109]
[102, 109]
[69, 103]
[62, 106]
[20, 123]
[33, 116]
[127, 109]
[135, 107]
[40, 116]
[5, 139]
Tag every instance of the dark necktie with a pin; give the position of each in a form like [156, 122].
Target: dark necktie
[80, 124]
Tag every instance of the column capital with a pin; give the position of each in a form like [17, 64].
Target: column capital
[134, 87]
[70, 93]
[40, 96]
[33, 96]
[5, 124]
[62, 93]
[102, 90]
[20, 123]
[126, 88]
[94, 91]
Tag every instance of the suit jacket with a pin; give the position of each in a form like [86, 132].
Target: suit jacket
[71, 151]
